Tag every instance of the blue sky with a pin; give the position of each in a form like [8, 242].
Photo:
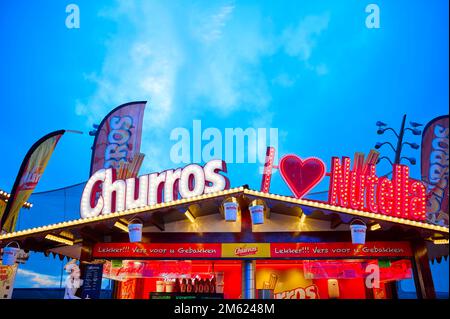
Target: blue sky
[309, 68]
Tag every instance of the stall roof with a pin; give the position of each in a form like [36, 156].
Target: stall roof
[4, 196]
[95, 228]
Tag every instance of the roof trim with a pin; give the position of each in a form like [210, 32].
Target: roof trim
[359, 213]
[134, 211]
[232, 191]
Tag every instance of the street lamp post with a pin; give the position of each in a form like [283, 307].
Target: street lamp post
[382, 127]
[398, 149]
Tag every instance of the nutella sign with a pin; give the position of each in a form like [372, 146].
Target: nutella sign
[358, 187]
[400, 196]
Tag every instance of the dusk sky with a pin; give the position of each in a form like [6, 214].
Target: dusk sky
[310, 69]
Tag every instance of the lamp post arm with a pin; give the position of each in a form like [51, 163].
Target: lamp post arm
[386, 158]
[398, 151]
[392, 146]
[391, 129]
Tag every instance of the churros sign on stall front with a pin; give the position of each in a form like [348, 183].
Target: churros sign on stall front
[104, 194]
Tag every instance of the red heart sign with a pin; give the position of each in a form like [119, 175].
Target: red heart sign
[301, 175]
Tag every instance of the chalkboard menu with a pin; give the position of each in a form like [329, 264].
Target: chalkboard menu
[92, 281]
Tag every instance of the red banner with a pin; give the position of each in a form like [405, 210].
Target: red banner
[164, 251]
[30, 173]
[277, 250]
[434, 169]
[118, 137]
[327, 250]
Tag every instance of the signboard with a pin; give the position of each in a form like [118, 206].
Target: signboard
[251, 250]
[401, 197]
[435, 169]
[104, 194]
[301, 175]
[118, 137]
[7, 276]
[246, 250]
[162, 251]
[359, 187]
[330, 250]
[285, 283]
[92, 281]
[268, 167]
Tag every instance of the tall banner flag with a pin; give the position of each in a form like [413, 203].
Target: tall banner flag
[7, 276]
[30, 173]
[434, 168]
[118, 138]
[2, 206]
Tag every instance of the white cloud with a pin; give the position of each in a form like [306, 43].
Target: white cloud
[284, 80]
[38, 280]
[321, 69]
[191, 59]
[208, 26]
[299, 41]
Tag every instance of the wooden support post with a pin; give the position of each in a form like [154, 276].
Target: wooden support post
[335, 221]
[422, 274]
[158, 221]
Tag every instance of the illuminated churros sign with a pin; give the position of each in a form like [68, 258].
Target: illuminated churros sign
[104, 194]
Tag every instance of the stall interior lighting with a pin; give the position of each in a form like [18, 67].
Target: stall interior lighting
[59, 239]
[302, 218]
[375, 227]
[440, 241]
[67, 234]
[190, 216]
[121, 226]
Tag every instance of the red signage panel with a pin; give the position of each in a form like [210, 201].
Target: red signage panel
[327, 250]
[139, 250]
[277, 250]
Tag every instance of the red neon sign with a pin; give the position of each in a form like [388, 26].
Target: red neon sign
[268, 167]
[301, 175]
[400, 197]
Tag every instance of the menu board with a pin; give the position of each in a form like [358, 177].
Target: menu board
[92, 281]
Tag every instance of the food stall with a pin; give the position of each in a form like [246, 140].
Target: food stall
[219, 242]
